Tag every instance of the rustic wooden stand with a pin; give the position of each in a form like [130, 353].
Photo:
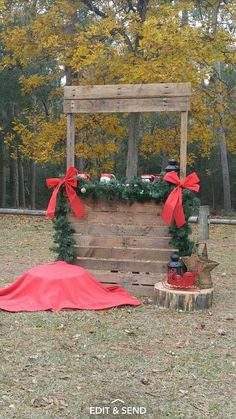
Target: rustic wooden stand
[184, 300]
[125, 244]
[121, 98]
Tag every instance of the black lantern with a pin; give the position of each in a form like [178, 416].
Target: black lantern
[176, 265]
[172, 166]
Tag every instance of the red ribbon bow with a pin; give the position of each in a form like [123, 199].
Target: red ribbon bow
[173, 207]
[70, 181]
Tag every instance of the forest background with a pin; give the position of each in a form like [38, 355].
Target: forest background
[45, 44]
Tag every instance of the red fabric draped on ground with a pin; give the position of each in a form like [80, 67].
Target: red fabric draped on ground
[59, 285]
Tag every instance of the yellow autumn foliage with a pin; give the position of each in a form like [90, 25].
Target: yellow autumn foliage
[119, 47]
[98, 139]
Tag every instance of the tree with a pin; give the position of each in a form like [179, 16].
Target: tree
[101, 42]
[217, 17]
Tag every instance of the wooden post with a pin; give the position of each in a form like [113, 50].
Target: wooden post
[70, 161]
[183, 144]
[203, 222]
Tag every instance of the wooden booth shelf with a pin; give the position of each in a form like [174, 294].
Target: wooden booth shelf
[123, 244]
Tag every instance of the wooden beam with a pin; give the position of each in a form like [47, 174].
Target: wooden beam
[126, 241]
[119, 230]
[183, 144]
[127, 265]
[165, 104]
[203, 230]
[124, 253]
[123, 278]
[70, 143]
[127, 91]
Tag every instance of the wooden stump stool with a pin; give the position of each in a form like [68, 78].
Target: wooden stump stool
[182, 299]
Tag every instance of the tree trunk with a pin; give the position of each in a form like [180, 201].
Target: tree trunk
[225, 171]
[213, 197]
[223, 148]
[16, 197]
[79, 163]
[182, 299]
[164, 160]
[133, 145]
[3, 176]
[22, 184]
[33, 184]
[184, 17]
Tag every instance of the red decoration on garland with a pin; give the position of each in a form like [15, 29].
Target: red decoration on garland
[84, 176]
[173, 207]
[186, 280]
[70, 181]
[106, 177]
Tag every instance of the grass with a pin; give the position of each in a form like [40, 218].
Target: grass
[60, 364]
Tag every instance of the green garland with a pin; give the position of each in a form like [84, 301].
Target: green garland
[63, 236]
[133, 191]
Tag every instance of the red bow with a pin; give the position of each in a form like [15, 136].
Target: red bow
[69, 180]
[173, 206]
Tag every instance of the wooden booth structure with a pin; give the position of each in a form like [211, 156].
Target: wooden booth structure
[122, 244]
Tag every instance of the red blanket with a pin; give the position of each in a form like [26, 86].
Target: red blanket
[59, 285]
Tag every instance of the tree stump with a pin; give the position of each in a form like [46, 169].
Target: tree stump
[182, 299]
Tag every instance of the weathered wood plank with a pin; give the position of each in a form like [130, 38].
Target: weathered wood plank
[140, 290]
[124, 253]
[109, 217]
[127, 91]
[121, 265]
[122, 241]
[167, 104]
[183, 144]
[119, 230]
[140, 285]
[124, 278]
[70, 141]
[136, 207]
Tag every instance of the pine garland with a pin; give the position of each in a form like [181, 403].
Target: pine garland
[63, 236]
[136, 190]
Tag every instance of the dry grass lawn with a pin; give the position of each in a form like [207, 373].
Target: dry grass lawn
[61, 364]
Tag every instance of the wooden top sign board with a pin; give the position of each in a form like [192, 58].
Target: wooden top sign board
[156, 97]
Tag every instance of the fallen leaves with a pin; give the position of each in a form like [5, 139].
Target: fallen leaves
[49, 360]
[49, 402]
[183, 392]
[130, 332]
[229, 317]
[221, 332]
[145, 381]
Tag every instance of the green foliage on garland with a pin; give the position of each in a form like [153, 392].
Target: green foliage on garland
[63, 237]
[136, 190]
[180, 236]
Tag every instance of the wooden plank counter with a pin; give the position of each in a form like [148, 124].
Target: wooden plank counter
[123, 244]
